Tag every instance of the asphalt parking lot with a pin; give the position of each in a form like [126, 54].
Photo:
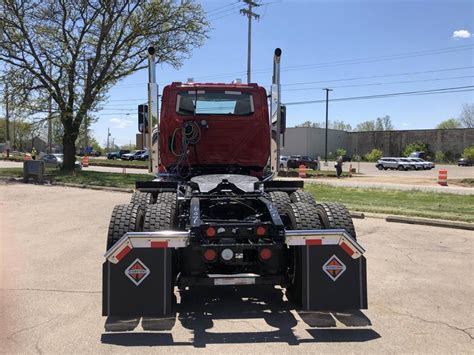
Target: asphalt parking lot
[52, 240]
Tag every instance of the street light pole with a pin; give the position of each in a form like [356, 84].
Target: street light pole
[327, 123]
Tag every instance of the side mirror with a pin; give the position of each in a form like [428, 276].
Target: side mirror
[282, 119]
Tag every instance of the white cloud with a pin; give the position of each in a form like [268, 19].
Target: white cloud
[461, 34]
[120, 122]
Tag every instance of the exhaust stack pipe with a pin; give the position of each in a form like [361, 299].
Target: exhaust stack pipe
[154, 152]
[275, 119]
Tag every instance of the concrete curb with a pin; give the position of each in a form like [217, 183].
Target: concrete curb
[94, 187]
[358, 215]
[430, 222]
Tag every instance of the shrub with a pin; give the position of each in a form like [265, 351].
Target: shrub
[469, 152]
[415, 147]
[374, 155]
[440, 157]
[341, 152]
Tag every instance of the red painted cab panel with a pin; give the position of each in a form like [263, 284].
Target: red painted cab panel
[231, 125]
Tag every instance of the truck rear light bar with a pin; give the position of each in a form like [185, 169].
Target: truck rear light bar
[180, 239]
[325, 237]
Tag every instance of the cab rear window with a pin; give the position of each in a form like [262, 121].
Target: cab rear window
[200, 102]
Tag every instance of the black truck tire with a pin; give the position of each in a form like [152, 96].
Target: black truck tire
[142, 199]
[125, 218]
[336, 216]
[302, 196]
[300, 216]
[159, 217]
[166, 197]
[280, 199]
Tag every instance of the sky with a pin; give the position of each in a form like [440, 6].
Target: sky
[332, 44]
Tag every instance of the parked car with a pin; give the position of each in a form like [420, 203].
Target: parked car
[386, 163]
[56, 161]
[144, 156]
[117, 155]
[296, 160]
[411, 164]
[465, 162]
[133, 155]
[421, 155]
[346, 158]
[283, 161]
[426, 165]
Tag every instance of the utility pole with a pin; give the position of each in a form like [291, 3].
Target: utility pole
[7, 119]
[327, 123]
[248, 12]
[108, 135]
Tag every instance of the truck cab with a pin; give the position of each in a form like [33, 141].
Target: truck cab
[212, 128]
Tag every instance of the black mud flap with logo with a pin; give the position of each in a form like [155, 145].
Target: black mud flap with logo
[332, 279]
[139, 284]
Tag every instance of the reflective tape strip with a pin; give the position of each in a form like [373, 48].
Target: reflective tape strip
[346, 248]
[118, 253]
[159, 244]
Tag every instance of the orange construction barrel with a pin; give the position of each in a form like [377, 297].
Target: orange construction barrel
[302, 171]
[443, 177]
[85, 161]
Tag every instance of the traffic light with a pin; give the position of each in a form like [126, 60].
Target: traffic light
[143, 118]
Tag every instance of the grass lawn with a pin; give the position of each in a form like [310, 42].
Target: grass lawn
[119, 163]
[405, 203]
[95, 178]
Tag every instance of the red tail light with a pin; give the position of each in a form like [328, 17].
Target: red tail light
[261, 231]
[210, 255]
[211, 232]
[265, 254]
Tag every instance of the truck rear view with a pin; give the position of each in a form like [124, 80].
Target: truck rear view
[214, 216]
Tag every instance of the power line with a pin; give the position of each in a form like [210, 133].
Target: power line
[382, 83]
[222, 7]
[379, 76]
[227, 12]
[406, 93]
[355, 61]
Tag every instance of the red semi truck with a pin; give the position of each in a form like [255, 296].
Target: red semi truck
[214, 216]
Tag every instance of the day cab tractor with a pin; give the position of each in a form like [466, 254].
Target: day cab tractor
[214, 216]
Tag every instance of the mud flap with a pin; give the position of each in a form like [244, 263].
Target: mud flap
[331, 279]
[140, 284]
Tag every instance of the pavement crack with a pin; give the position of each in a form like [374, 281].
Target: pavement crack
[464, 330]
[32, 327]
[49, 290]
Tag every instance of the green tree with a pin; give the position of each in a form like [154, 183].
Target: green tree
[469, 152]
[449, 124]
[309, 124]
[440, 157]
[374, 155]
[467, 115]
[387, 123]
[75, 51]
[415, 147]
[366, 126]
[340, 125]
[341, 152]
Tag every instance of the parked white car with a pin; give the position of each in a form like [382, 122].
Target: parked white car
[283, 162]
[422, 164]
